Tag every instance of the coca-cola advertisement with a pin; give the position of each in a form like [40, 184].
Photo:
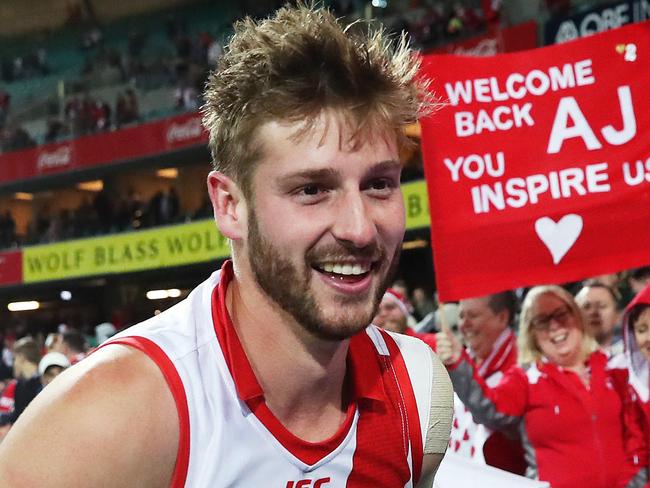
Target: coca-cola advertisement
[182, 131]
[54, 159]
[509, 39]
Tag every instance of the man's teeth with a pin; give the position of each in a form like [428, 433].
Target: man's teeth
[345, 269]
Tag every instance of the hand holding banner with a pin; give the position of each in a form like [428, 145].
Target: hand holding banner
[538, 164]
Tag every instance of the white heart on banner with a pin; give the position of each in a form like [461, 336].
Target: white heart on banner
[559, 236]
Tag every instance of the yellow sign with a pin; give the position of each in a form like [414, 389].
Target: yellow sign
[162, 247]
[416, 203]
[174, 245]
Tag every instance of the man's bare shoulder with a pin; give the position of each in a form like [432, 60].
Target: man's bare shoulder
[110, 420]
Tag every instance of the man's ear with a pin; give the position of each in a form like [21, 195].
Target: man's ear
[228, 204]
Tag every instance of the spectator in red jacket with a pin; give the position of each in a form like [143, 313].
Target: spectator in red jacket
[562, 398]
[485, 325]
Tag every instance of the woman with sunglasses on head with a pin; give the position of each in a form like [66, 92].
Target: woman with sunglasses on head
[563, 400]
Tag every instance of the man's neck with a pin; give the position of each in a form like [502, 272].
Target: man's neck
[479, 359]
[302, 376]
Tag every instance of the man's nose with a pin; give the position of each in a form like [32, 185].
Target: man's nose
[354, 224]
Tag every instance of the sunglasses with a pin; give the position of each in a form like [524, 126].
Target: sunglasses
[541, 323]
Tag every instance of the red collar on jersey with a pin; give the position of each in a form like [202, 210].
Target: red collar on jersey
[363, 368]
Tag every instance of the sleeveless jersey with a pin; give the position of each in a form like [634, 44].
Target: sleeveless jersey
[230, 438]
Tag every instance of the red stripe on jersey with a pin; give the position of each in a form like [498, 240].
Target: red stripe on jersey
[175, 384]
[380, 458]
[408, 397]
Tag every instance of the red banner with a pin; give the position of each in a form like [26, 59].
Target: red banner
[538, 165]
[503, 40]
[105, 148]
[11, 267]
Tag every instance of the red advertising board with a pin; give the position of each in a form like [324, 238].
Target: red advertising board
[106, 148]
[538, 163]
[11, 268]
[504, 40]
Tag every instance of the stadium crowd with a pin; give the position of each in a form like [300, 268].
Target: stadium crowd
[105, 212]
[189, 54]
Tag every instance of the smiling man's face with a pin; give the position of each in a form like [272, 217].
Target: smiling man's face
[325, 224]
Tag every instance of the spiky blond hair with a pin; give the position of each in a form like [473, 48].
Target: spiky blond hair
[298, 63]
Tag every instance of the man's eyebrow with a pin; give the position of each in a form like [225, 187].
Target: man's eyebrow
[312, 174]
[388, 165]
[330, 173]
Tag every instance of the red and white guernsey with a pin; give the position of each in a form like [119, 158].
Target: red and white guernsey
[230, 438]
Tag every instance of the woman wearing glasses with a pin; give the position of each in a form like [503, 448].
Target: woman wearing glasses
[562, 399]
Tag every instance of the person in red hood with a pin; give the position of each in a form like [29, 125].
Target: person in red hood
[636, 337]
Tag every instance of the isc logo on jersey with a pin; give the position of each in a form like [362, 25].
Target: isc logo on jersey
[308, 483]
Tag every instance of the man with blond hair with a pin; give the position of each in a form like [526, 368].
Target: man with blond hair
[268, 374]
